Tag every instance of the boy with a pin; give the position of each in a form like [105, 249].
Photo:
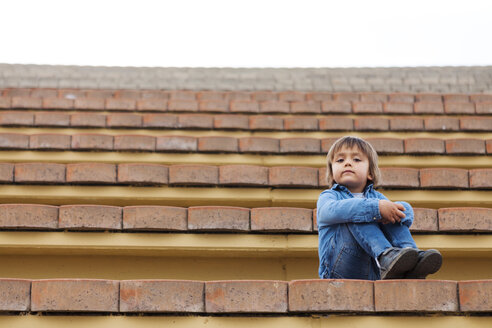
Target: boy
[363, 235]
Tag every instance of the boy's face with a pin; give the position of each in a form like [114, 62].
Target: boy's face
[351, 168]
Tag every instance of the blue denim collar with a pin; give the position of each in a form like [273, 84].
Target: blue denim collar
[339, 187]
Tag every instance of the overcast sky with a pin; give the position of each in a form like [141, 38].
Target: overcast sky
[252, 33]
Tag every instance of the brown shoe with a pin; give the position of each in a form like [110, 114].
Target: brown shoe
[428, 262]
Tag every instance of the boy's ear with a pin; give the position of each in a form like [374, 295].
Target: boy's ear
[369, 176]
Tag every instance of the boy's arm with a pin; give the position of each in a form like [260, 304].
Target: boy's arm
[408, 211]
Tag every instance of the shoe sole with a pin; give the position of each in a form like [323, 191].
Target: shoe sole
[405, 261]
[428, 265]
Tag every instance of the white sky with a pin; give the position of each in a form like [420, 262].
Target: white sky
[251, 33]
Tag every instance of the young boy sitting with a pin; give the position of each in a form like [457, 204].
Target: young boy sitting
[362, 234]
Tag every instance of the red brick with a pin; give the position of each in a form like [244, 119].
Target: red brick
[16, 118]
[319, 96]
[124, 120]
[281, 219]
[158, 105]
[238, 95]
[265, 96]
[239, 106]
[25, 102]
[326, 144]
[196, 121]
[262, 122]
[424, 146]
[476, 124]
[90, 217]
[6, 173]
[51, 119]
[88, 120]
[371, 124]
[459, 108]
[155, 94]
[402, 97]
[374, 97]
[428, 97]
[481, 178]
[489, 146]
[5, 102]
[322, 181]
[162, 296]
[465, 219]
[442, 124]
[121, 104]
[346, 96]
[394, 177]
[367, 108]
[14, 141]
[146, 174]
[465, 146]
[50, 141]
[183, 95]
[456, 98]
[210, 95]
[274, 107]
[398, 108]
[214, 106]
[159, 121]
[416, 295]
[243, 175]
[92, 142]
[341, 107]
[313, 107]
[42, 92]
[193, 174]
[17, 92]
[285, 176]
[39, 173]
[475, 295]
[443, 178]
[218, 218]
[89, 103]
[134, 143]
[130, 94]
[183, 105]
[386, 145]
[481, 97]
[28, 216]
[331, 295]
[300, 145]
[98, 93]
[483, 107]
[176, 143]
[425, 219]
[165, 218]
[218, 144]
[15, 294]
[235, 122]
[301, 123]
[259, 145]
[406, 124]
[315, 221]
[57, 103]
[334, 123]
[292, 96]
[246, 296]
[93, 173]
[75, 295]
[427, 107]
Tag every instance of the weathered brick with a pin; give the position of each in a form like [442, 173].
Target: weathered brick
[481, 178]
[183, 95]
[339, 107]
[57, 103]
[386, 145]
[98, 93]
[334, 123]
[481, 97]
[300, 145]
[190, 174]
[313, 107]
[326, 144]
[262, 122]
[166, 218]
[17, 92]
[124, 120]
[396, 177]
[292, 96]
[442, 124]
[456, 98]
[322, 181]
[6, 173]
[331, 295]
[424, 146]
[402, 97]
[14, 141]
[92, 142]
[465, 219]
[93, 173]
[39, 173]
[218, 144]
[274, 107]
[425, 219]
[374, 97]
[246, 296]
[50, 141]
[176, 143]
[5, 102]
[51, 119]
[315, 220]
[475, 295]
[210, 95]
[160, 121]
[286, 176]
[28, 216]
[89, 103]
[213, 218]
[42, 93]
[367, 107]
[196, 121]
[183, 105]
[476, 124]
[371, 124]
[90, 217]
[243, 175]
[88, 120]
[427, 107]
[301, 123]
[27, 102]
[130, 94]
[443, 178]
[265, 96]
[259, 145]
[236, 122]
[153, 104]
[281, 219]
[240, 106]
[162, 296]
[134, 143]
[465, 146]
[121, 104]
[237, 95]
[75, 295]
[489, 146]
[406, 124]
[319, 96]
[16, 118]
[459, 108]
[146, 174]
[429, 97]
[483, 107]
[346, 96]
[15, 294]
[398, 108]
[213, 106]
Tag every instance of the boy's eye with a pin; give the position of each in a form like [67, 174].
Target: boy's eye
[340, 160]
[357, 159]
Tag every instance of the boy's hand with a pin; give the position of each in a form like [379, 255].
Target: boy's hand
[390, 212]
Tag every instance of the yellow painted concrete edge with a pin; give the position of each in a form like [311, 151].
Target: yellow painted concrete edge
[242, 197]
[207, 245]
[29, 156]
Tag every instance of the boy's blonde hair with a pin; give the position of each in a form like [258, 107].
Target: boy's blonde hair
[364, 147]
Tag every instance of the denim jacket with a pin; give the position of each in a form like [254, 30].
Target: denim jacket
[335, 208]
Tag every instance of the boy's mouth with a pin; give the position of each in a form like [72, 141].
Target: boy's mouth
[347, 171]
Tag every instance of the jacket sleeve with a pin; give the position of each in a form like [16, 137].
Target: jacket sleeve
[331, 210]
[409, 215]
